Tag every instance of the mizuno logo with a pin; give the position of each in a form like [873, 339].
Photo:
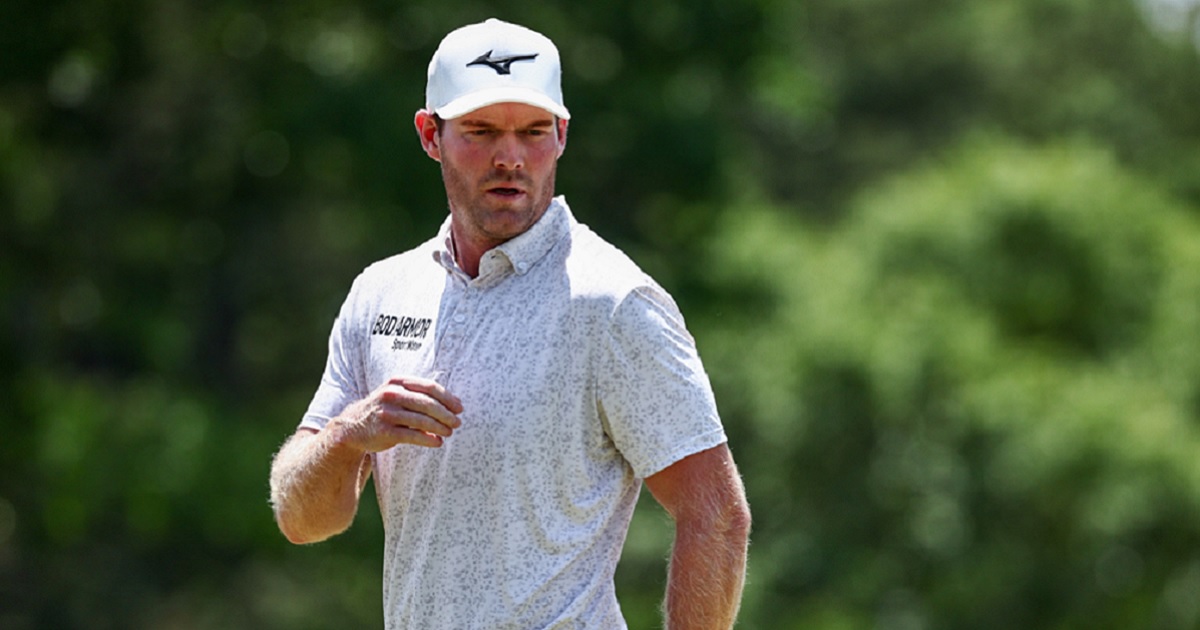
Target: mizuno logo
[502, 65]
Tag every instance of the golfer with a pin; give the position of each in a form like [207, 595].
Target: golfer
[510, 385]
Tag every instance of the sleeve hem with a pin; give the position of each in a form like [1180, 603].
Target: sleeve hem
[702, 442]
[313, 421]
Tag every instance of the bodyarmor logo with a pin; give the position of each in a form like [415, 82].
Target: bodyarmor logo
[406, 330]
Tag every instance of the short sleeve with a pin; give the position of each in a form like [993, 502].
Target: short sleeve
[655, 397]
[342, 381]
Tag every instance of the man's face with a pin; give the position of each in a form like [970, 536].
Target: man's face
[498, 165]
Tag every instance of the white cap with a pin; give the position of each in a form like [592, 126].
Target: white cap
[494, 62]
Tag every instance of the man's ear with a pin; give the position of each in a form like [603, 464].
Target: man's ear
[427, 131]
[562, 135]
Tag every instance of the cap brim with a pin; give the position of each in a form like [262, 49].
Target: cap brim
[468, 103]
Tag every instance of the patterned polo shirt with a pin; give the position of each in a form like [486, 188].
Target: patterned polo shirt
[578, 379]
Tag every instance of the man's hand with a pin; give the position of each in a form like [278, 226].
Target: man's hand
[405, 410]
[318, 476]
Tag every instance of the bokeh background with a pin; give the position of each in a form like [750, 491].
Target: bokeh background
[942, 260]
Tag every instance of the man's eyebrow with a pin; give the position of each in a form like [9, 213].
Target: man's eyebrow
[483, 124]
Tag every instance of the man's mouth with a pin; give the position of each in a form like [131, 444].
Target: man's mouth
[505, 191]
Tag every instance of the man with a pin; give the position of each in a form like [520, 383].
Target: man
[510, 384]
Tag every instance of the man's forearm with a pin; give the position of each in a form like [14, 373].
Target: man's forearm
[706, 576]
[316, 481]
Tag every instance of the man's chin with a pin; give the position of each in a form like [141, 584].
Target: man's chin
[502, 219]
[505, 230]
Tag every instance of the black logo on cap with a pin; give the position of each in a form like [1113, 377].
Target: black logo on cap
[502, 65]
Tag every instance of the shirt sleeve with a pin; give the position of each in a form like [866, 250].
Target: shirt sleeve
[342, 381]
[656, 399]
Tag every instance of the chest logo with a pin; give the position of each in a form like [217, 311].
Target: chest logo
[407, 331]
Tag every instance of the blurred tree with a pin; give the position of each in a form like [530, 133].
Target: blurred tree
[979, 421]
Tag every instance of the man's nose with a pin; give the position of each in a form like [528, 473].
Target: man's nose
[509, 152]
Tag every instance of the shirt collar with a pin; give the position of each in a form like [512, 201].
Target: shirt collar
[522, 252]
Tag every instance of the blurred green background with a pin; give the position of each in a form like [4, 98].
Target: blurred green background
[942, 260]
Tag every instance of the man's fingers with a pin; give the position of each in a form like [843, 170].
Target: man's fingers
[406, 435]
[414, 407]
[419, 421]
[427, 397]
[433, 389]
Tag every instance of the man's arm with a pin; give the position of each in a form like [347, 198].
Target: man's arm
[318, 476]
[704, 495]
[316, 481]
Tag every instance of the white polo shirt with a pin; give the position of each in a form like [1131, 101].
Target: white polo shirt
[578, 379]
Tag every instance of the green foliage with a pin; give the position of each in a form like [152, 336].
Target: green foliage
[942, 261]
[960, 399]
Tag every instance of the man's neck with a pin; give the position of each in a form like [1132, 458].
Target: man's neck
[466, 253]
